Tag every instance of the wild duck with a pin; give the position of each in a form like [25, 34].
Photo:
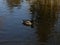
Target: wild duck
[27, 22]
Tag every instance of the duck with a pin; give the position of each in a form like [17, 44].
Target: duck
[27, 22]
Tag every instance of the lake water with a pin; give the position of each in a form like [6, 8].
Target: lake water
[13, 32]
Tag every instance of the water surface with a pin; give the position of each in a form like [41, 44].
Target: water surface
[13, 32]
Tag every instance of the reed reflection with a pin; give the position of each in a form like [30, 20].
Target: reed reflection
[13, 3]
[45, 17]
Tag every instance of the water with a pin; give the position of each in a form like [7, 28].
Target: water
[13, 32]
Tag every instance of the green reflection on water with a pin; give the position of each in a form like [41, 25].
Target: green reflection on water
[13, 3]
[45, 17]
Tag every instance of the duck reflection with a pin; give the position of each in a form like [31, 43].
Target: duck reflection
[44, 16]
[13, 3]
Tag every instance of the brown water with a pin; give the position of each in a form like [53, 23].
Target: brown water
[13, 32]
